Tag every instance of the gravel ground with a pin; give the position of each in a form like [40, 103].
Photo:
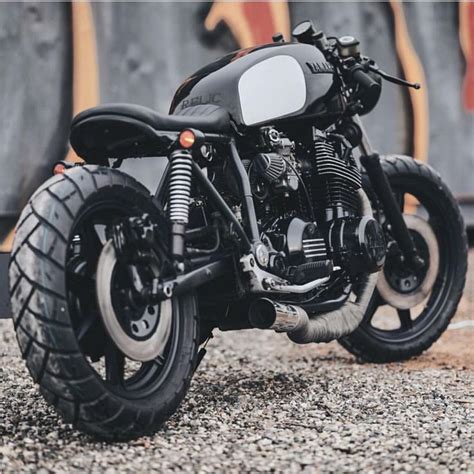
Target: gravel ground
[260, 403]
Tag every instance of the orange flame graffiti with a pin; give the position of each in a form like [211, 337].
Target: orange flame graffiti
[466, 37]
[85, 64]
[413, 71]
[251, 23]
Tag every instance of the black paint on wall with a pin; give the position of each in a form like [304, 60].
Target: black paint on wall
[371, 23]
[435, 34]
[35, 99]
[145, 50]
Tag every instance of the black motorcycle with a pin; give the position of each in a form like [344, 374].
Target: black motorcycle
[274, 212]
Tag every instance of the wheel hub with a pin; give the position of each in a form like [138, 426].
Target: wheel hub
[403, 287]
[140, 331]
[138, 320]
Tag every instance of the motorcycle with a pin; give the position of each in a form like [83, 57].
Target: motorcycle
[274, 212]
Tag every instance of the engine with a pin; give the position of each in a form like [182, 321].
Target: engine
[308, 205]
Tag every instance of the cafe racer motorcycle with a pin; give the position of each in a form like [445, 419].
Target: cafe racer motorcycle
[274, 212]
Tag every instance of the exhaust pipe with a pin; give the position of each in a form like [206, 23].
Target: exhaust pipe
[268, 314]
[303, 329]
[325, 327]
[335, 324]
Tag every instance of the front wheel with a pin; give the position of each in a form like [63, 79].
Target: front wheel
[412, 308]
[80, 360]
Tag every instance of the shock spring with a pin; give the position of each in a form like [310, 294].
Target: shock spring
[179, 196]
[179, 187]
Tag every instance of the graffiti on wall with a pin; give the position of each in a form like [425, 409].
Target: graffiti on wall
[466, 37]
[251, 23]
[254, 23]
[112, 46]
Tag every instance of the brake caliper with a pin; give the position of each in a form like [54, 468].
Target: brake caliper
[133, 238]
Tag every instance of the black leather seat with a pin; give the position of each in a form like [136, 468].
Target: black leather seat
[207, 117]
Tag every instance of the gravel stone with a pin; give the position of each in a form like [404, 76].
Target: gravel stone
[261, 403]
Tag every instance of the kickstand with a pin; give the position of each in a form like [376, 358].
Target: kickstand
[202, 352]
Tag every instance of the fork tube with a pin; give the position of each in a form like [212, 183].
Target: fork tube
[365, 145]
[370, 160]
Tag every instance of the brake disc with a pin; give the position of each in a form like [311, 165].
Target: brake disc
[144, 338]
[415, 289]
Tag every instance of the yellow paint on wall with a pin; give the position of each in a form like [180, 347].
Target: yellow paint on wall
[6, 245]
[234, 16]
[85, 75]
[414, 72]
[464, 29]
[237, 19]
[281, 18]
[85, 89]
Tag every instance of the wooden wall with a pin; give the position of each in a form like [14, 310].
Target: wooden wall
[144, 50]
[35, 99]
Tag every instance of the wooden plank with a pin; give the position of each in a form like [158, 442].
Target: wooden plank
[35, 99]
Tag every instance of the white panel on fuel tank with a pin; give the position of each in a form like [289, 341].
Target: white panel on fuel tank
[272, 88]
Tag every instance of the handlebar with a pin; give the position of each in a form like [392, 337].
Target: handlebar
[343, 48]
[369, 91]
[361, 77]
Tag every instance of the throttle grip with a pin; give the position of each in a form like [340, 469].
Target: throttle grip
[369, 90]
[361, 77]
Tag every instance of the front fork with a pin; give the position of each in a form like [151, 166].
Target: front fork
[370, 160]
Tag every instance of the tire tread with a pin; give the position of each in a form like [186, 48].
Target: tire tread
[399, 165]
[47, 340]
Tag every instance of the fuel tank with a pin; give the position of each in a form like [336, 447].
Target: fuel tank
[267, 84]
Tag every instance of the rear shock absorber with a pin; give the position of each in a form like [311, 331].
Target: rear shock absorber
[179, 198]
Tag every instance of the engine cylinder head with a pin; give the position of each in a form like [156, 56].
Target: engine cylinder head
[336, 182]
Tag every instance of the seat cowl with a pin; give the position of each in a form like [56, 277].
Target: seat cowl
[98, 138]
[207, 117]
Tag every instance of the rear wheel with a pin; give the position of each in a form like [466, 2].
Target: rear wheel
[81, 360]
[412, 308]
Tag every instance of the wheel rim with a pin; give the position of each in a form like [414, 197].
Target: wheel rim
[414, 321]
[402, 287]
[139, 330]
[127, 377]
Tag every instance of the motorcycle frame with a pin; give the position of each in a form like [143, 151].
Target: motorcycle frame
[249, 233]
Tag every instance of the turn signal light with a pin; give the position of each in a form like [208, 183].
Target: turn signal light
[187, 138]
[59, 168]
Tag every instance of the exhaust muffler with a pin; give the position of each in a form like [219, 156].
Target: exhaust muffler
[303, 329]
[268, 314]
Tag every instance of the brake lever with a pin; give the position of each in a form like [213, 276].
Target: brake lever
[395, 80]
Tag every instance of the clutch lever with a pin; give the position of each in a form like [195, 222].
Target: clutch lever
[395, 80]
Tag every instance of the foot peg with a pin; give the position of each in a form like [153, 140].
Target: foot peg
[310, 271]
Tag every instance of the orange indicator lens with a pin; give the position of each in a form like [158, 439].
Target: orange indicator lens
[187, 138]
[59, 168]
